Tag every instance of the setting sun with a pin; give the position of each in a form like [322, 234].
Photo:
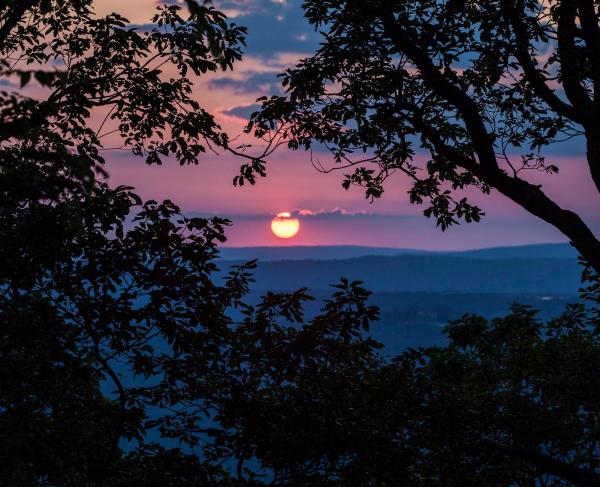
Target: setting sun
[284, 226]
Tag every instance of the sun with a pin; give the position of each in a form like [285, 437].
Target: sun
[284, 226]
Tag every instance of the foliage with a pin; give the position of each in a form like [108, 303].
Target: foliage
[128, 358]
[482, 88]
[509, 401]
[51, 157]
[79, 284]
[134, 340]
[123, 350]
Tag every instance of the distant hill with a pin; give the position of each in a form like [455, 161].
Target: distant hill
[546, 251]
[325, 252]
[418, 292]
[337, 252]
[426, 273]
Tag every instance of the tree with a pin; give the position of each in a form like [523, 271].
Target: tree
[511, 401]
[482, 87]
[122, 346]
[128, 358]
[72, 297]
[51, 157]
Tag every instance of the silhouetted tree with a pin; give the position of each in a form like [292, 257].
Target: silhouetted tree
[80, 291]
[128, 358]
[510, 401]
[51, 156]
[481, 87]
[122, 352]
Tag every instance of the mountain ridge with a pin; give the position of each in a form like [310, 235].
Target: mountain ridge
[341, 252]
[427, 272]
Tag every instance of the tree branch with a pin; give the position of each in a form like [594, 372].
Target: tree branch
[547, 464]
[591, 35]
[13, 17]
[573, 88]
[533, 75]
[467, 108]
[527, 195]
[566, 28]
[122, 406]
[592, 139]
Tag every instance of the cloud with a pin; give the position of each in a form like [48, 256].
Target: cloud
[307, 214]
[344, 214]
[251, 83]
[238, 7]
[274, 26]
[335, 212]
[243, 111]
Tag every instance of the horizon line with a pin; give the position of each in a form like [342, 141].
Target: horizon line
[395, 248]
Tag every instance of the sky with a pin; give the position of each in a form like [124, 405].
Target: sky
[278, 36]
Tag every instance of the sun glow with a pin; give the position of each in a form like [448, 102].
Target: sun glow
[284, 226]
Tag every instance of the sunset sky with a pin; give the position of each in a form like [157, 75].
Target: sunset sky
[278, 36]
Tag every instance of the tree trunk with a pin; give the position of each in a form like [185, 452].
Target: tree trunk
[592, 139]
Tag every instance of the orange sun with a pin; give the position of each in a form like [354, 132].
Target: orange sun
[284, 226]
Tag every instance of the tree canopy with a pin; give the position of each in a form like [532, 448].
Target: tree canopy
[509, 401]
[481, 87]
